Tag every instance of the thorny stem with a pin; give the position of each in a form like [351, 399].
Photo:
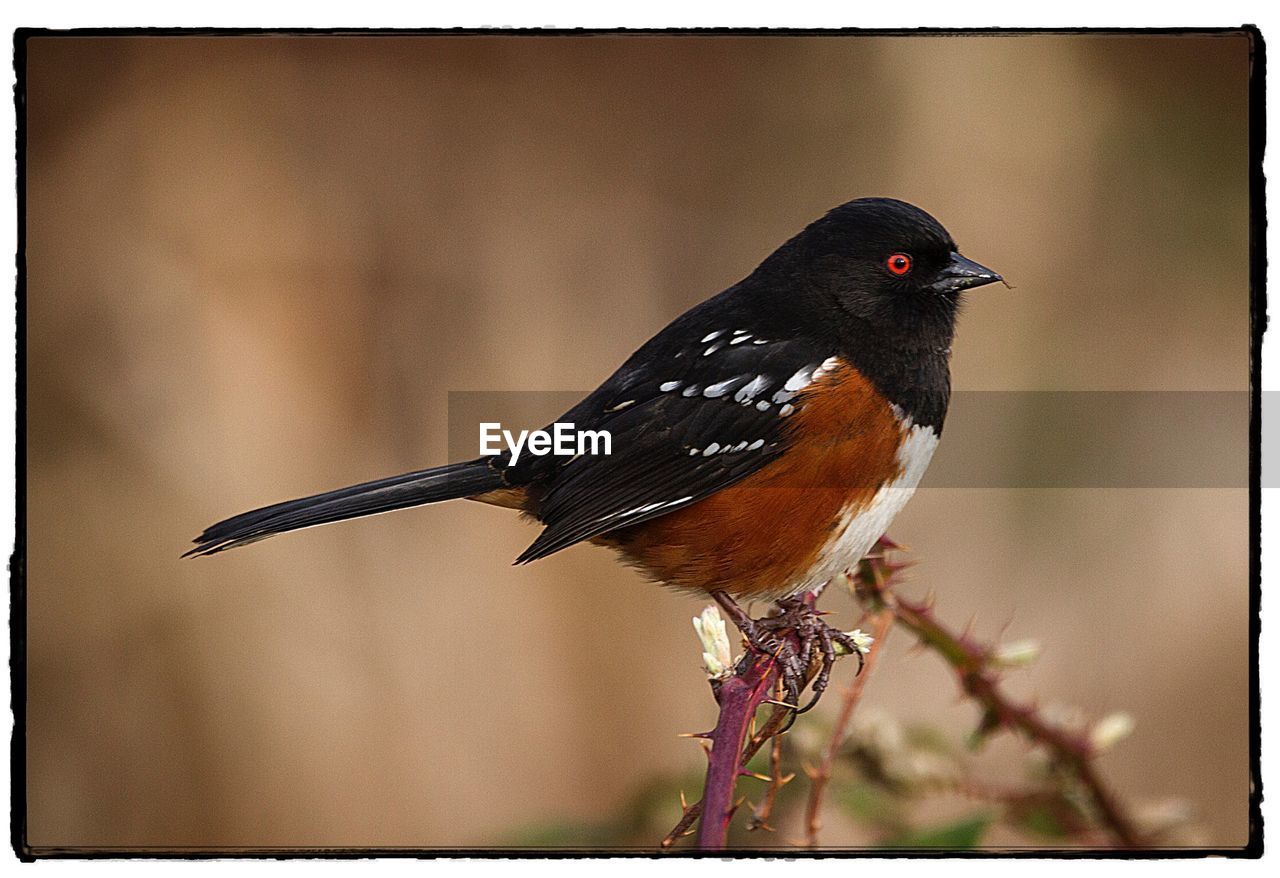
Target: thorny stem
[760, 814]
[819, 776]
[739, 696]
[978, 679]
[694, 811]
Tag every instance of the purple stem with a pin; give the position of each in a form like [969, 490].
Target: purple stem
[739, 696]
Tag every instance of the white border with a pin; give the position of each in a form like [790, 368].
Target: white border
[660, 13]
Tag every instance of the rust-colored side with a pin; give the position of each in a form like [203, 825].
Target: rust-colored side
[755, 538]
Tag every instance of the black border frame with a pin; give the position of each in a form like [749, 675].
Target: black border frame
[17, 563]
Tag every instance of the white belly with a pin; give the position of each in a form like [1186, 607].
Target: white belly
[860, 527]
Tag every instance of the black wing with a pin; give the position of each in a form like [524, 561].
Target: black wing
[699, 407]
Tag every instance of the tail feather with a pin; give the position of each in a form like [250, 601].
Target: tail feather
[448, 482]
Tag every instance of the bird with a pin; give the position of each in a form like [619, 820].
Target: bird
[761, 443]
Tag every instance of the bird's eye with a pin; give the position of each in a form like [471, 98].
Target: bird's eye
[898, 263]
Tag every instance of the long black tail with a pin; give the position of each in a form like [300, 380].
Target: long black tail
[448, 482]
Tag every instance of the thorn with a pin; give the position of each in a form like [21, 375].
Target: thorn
[788, 779]
[756, 775]
[785, 704]
[684, 804]
[693, 735]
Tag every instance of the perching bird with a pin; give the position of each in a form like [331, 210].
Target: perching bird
[761, 443]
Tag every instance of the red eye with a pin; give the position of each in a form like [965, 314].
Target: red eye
[898, 263]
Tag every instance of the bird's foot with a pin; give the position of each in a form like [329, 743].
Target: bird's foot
[813, 642]
[764, 637]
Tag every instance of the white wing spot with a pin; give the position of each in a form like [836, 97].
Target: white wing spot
[620, 406]
[740, 446]
[749, 391]
[761, 341]
[800, 379]
[691, 390]
[719, 388]
[711, 449]
[712, 336]
[786, 410]
[759, 443]
[711, 350]
[668, 386]
[762, 405]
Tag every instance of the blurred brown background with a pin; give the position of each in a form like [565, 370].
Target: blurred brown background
[257, 267]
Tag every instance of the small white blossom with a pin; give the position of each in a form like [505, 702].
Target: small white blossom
[1018, 654]
[1110, 731]
[717, 656]
[860, 638]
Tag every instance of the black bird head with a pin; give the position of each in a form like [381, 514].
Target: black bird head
[880, 263]
[882, 281]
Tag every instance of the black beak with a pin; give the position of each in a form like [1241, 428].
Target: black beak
[963, 274]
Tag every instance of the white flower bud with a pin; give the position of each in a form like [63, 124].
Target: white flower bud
[1110, 731]
[717, 655]
[860, 638]
[1018, 654]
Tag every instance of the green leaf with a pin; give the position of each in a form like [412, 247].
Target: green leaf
[870, 804]
[1048, 814]
[986, 726]
[961, 835]
[1041, 819]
